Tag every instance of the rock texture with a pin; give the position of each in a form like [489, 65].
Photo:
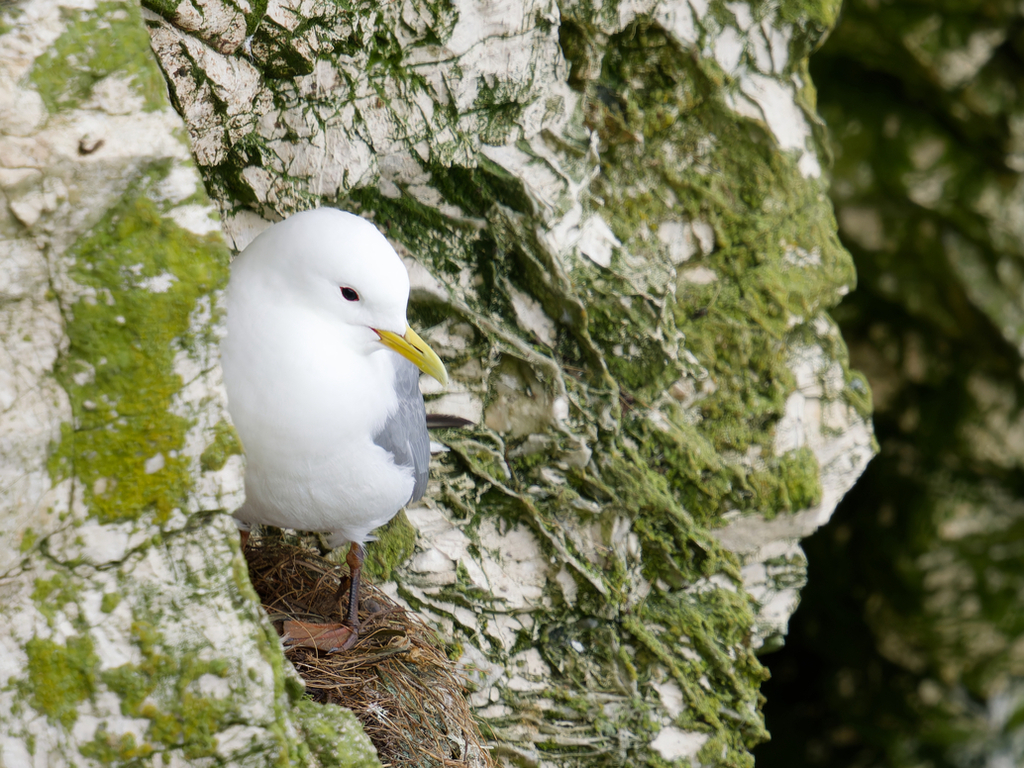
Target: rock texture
[129, 633]
[619, 239]
[616, 226]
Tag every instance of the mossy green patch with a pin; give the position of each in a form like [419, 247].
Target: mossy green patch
[334, 737]
[109, 39]
[60, 677]
[273, 47]
[225, 445]
[501, 103]
[50, 595]
[28, 540]
[253, 12]
[108, 748]
[776, 260]
[143, 279]
[162, 689]
[800, 479]
[110, 602]
[7, 18]
[394, 545]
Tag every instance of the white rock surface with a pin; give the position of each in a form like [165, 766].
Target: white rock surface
[93, 608]
[350, 127]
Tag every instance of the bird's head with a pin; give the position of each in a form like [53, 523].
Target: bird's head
[339, 264]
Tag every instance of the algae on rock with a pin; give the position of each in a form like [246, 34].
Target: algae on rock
[618, 235]
[130, 633]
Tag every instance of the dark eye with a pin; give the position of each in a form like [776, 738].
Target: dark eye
[349, 294]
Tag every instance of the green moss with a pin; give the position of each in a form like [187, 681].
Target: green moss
[50, 595]
[28, 540]
[60, 677]
[107, 40]
[165, 8]
[714, 624]
[192, 726]
[476, 189]
[635, 358]
[273, 47]
[394, 545]
[225, 445]
[800, 478]
[422, 228]
[334, 737]
[110, 602]
[501, 104]
[295, 688]
[113, 749]
[468, 595]
[125, 444]
[161, 690]
[776, 258]
[9, 15]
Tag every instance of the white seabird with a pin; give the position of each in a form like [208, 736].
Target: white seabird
[331, 419]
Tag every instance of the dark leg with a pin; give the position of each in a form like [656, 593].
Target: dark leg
[355, 558]
[244, 537]
[332, 637]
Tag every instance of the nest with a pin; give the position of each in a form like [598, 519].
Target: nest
[397, 678]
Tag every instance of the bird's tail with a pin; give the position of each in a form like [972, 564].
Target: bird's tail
[441, 421]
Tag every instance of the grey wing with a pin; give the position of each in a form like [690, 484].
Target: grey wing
[404, 434]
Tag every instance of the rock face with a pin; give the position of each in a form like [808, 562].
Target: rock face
[128, 624]
[618, 233]
[927, 114]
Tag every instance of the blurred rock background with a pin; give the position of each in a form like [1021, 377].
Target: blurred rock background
[908, 649]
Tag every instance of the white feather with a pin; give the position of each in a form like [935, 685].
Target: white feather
[308, 381]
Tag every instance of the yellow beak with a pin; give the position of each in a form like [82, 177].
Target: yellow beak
[415, 350]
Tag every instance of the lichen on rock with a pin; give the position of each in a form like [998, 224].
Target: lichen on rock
[130, 632]
[619, 238]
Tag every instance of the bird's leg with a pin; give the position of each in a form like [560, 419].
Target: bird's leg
[333, 637]
[243, 538]
[355, 557]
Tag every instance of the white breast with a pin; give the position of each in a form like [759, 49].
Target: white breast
[306, 395]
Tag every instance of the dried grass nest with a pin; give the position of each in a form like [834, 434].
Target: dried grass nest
[397, 679]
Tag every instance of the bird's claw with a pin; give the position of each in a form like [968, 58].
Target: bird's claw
[329, 638]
